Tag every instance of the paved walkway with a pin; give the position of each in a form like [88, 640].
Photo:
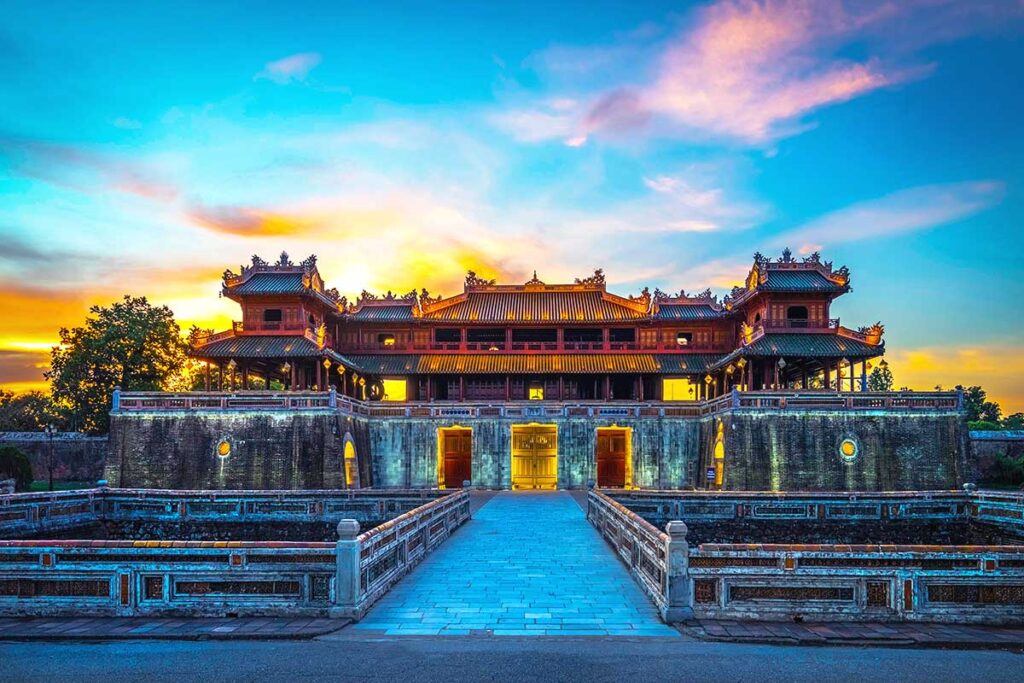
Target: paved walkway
[526, 564]
[860, 634]
[133, 628]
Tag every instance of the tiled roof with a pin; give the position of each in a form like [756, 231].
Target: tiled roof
[271, 283]
[806, 345]
[389, 313]
[528, 364]
[536, 306]
[683, 364]
[799, 281]
[253, 346]
[686, 312]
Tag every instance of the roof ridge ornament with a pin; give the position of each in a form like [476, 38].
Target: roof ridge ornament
[534, 281]
[473, 281]
[596, 280]
[703, 297]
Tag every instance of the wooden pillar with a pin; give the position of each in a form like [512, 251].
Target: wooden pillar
[245, 376]
[220, 377]
[508, 388]
[775, 364]
[828, 378]
[462, 388]
[561, 387]
[607, 382]
[640, 383]
[430, 388]
[864, 375]
[508, 338]
[292, 379]
[207, 375]
[319, 378]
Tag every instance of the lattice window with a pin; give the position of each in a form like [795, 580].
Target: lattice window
[705, 591]
[237, 588]
[153, 587]
[977, 594]
[878, 594]
[30, 588]
[320, 589]
[792, 593]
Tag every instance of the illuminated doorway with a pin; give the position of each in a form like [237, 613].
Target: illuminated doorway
[614, 457]
[351, 463]
[455, 456]
[534, 456]
[718, 455]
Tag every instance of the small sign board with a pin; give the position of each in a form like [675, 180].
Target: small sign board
[711, 473]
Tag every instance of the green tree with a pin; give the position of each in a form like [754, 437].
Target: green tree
[880, 378]
[978, 407]
[15, 465]
[1015, 421]
[129, 344]
[28, 412]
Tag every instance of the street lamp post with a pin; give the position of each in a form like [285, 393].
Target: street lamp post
[51, 431]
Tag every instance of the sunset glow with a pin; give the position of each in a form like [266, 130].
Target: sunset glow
[664, 142]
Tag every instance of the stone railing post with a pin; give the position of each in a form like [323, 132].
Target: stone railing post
[332, 398]
[116, 400]
[346, 581]
[735, 397]
[680, 598]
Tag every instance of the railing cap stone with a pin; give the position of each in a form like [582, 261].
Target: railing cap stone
[677, 529]
[348, 529]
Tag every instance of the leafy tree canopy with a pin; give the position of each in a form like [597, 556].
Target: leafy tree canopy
[1015, 421]
[29, 412]
[880, 379]
[978, 407]
[129, 344]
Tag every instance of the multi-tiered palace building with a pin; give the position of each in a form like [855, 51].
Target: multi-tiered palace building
[539, 341]
[539, 385]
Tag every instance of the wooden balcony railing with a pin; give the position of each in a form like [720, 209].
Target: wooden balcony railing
[797, 324]
[535, 347]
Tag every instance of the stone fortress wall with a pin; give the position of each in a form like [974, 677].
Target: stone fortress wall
[795, 450]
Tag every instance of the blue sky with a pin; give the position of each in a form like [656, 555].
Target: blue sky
[144, 147]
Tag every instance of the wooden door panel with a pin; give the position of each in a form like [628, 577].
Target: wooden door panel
[534, 457]
[458, 457]
[611, 459]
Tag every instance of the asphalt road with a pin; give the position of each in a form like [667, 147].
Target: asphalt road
[407, 659]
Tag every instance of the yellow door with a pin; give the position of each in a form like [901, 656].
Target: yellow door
[534, 457]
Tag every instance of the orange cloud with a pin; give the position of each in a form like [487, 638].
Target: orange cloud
[997, 368]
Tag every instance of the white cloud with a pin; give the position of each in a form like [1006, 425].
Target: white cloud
[917, 208]
[290, 69]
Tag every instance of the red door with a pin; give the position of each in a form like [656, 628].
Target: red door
[611, 458]
[458, 457]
